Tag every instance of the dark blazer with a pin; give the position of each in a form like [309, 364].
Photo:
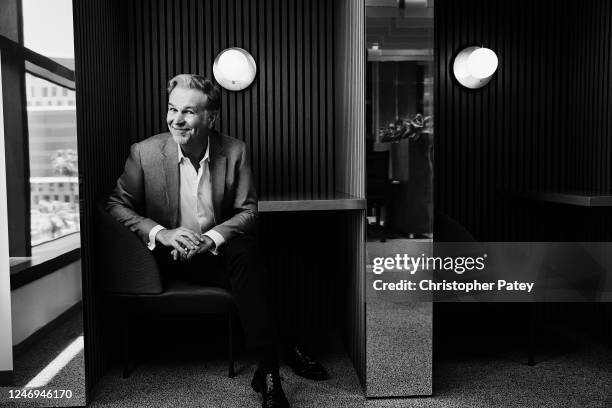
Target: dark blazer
[147, 193]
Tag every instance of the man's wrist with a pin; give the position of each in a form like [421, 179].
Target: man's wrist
[216, 238]
[207, 239]
[154, 236]
[209, 243]
[159, 234]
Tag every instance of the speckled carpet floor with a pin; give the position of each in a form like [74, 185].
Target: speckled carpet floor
[577, 377]
[71, 376]
[576, 373]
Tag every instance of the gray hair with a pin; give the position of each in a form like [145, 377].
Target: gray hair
[192, 81]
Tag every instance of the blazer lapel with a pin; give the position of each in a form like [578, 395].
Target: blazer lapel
[217, 173]
[172, 179]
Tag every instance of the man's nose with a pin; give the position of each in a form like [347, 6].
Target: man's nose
[179, 117]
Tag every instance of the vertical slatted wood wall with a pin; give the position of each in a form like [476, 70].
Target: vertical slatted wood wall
[350, 156]
[542, 123]
[590, 90]
[285, 117]
[510, 135]
[102, 117]
[126, 52]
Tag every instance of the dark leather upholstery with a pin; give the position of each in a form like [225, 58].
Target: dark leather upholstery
[179, 298]
[133, 286]
[126, 265]
[130, 276]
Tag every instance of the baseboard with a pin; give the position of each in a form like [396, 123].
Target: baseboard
[6, 378]
[46, 329]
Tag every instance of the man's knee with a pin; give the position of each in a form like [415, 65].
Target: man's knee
[241, 244]
[243, 260]
[242, 248]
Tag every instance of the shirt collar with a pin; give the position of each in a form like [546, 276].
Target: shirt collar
[181, 156]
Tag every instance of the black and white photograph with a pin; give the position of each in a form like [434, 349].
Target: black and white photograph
[305, 203]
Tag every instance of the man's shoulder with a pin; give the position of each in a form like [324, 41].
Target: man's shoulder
[230, 143]
[230, 146]
[154, 143]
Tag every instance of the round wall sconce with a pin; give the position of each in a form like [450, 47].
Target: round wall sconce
[474, 67]
[234, 69]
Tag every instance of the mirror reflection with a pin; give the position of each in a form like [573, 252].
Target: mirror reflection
[399, 177]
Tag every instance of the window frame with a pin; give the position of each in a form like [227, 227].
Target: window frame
[16, 62]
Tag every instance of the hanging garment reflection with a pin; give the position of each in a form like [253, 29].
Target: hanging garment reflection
[412, 208]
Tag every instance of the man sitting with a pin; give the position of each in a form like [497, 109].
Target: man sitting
[189, 195]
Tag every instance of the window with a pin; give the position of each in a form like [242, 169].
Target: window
[45, 132]
[53, 164]
[40, 148]
[47, 29]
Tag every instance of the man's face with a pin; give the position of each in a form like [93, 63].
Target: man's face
[188, 121]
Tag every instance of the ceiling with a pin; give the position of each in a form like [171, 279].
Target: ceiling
[399, 28]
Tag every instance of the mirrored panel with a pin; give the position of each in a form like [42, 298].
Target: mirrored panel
[399, 179]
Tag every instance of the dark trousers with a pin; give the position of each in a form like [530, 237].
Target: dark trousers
[239, 269]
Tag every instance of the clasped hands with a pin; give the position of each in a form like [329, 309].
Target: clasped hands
[184, 242]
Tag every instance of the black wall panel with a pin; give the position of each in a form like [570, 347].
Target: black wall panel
[102, 117]
[349, 68]
[125, 54]
[285, 117]
[541, 124]
[590, 97]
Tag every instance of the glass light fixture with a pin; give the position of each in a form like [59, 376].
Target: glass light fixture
[474, 66]
[234, 69]
[482, 63]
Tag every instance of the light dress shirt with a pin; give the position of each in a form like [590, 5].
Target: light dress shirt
[196, 205]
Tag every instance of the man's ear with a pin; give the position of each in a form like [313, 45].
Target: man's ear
[214, 115]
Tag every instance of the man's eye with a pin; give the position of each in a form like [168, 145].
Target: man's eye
[171, 109]
[189, 112]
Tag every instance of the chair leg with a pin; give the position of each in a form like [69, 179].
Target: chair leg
[125, 346]
[532, 323]
[230, 335]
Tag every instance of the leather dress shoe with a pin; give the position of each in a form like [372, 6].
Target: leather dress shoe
[305, 365]
[268, 384]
